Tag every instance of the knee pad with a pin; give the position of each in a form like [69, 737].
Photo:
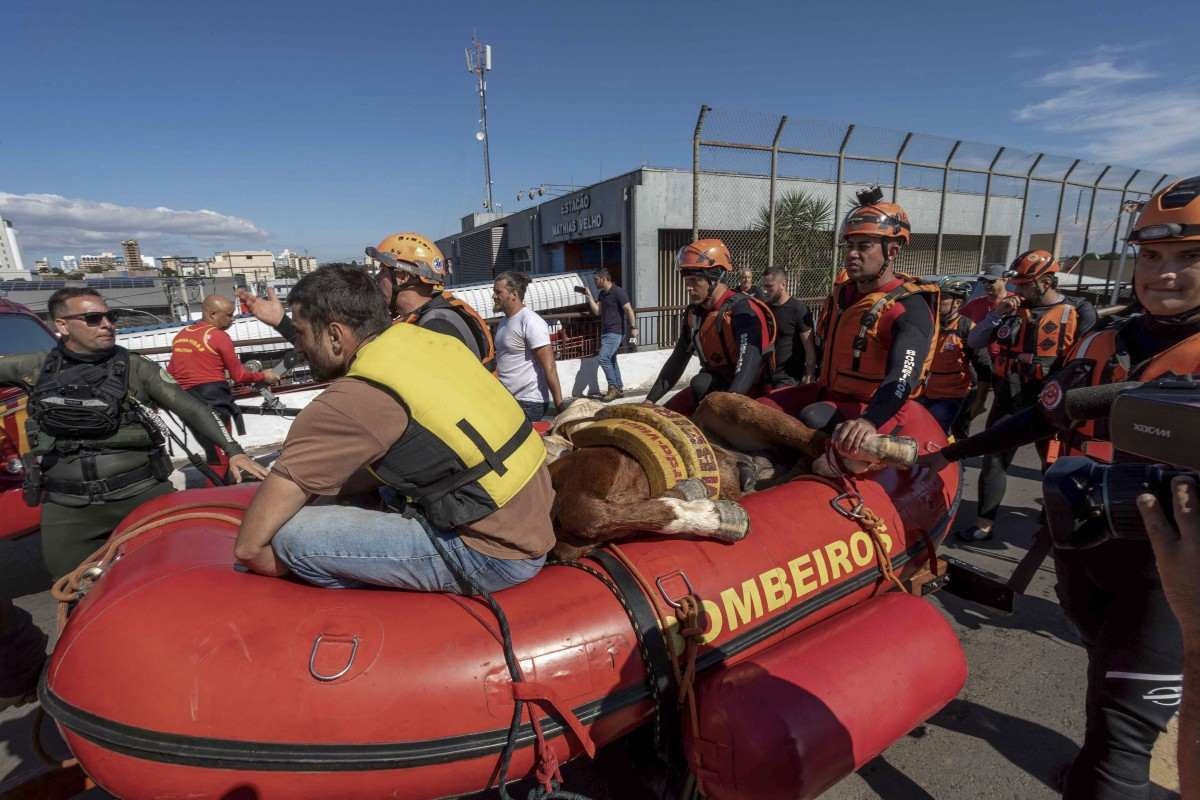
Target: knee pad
[821, 416]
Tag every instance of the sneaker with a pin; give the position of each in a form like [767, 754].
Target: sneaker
[613, 393]
[974, 534]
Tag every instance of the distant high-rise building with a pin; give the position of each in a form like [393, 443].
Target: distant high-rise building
[104, 262]
[295, 262]
[258, 266]
[133, 254]
[11, 265]
[187, 266]
[69, 264]
[42, 265]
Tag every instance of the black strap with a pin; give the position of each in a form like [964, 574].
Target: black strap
[439, 489]
[98, 488]
[869, 318]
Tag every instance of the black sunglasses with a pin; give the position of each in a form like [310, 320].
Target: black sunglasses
[92, 318]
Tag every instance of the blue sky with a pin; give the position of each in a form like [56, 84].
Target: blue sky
[325, 126]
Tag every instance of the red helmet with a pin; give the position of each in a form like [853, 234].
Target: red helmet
[1031, 265]
[886, 220]
[704, 256]
[1172, 215]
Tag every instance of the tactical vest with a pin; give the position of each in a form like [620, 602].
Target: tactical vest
[92, 441]
[715, 342]
[950, 373]
[76, 400]
[479, 328]
[854, 358]
[1108, 358]
[468, 448]
[1043, 334]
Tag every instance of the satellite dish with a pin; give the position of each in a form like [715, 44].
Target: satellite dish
[479, 136]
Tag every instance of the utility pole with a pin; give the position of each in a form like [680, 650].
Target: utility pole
[479, 63]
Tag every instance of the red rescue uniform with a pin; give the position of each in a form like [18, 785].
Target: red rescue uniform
[203, 353]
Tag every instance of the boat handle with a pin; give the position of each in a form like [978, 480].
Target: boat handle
[662, 579]
[312, 659]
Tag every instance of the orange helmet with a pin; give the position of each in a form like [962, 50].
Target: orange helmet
[414, 254]
[873, 217]
[1172, 215]
[1031, 265]
[707, 256]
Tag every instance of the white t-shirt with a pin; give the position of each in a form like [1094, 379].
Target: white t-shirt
[516, 365]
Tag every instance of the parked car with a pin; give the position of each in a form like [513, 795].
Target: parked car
[21, 331]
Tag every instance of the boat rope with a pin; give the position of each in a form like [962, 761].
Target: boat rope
[549, 776]
[850, 504]
[71, 587]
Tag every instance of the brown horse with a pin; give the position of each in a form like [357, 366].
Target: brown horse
[604, 494]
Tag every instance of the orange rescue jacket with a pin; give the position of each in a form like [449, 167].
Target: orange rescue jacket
[950, 375]
[1042, 335]
[714, 341]
[854, 357]
[1109, 362]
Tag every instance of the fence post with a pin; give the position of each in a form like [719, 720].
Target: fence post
[1117, 228]
[937, 256]
[1025, 200]
[1062, 192]
[696, 172]
[987, 199]
[837, 201]
[899, 154]
[774, 172]
[1087, 228]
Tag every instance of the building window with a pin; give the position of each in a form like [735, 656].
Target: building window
[521, 261]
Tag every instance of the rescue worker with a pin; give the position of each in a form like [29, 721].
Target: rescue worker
[202, 355]
[1112, 591]
[414, 411]
[995, 289]
[101, 454]
[1032, 331]
[411, 275]
[733, 334]
[876, 329]
[952, 374]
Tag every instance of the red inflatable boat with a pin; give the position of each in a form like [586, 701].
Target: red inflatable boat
[179, 676]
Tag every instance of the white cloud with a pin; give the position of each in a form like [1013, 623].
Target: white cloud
[55, 224]
[1119, 116]
[1101, 71]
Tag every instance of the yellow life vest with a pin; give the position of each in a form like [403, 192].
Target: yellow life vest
[468, 448]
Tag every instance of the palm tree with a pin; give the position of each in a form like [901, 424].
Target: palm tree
[802, 235]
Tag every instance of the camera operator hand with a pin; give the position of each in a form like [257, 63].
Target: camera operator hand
[1178, 552]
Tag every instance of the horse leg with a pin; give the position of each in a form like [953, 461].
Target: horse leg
[748, 425]
[594, 520]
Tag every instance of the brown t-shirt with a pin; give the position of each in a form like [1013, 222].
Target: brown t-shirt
[352, 424]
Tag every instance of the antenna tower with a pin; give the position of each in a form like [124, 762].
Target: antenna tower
[479, 63]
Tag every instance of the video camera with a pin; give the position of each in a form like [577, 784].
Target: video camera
[1158, 424]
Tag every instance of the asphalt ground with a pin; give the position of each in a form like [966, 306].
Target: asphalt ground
[1010, 733]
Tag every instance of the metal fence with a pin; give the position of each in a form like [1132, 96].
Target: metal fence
[775, 189]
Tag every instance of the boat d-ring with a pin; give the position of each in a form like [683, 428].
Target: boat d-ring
[661, 580]
[312, 659]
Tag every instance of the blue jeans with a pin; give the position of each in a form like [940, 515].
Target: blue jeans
[345, 547]
[944, 410]
[610, 343]
[534, 409]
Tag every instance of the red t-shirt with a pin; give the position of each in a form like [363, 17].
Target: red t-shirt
[976, 310]
[203, 353]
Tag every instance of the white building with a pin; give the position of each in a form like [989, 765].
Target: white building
[258, 266]
[11, 266]
[105, 262]
[301, 264]
[69, 264]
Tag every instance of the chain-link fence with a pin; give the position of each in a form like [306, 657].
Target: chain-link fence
[776, 188]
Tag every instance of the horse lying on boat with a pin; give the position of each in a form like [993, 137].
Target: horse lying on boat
[625, 469]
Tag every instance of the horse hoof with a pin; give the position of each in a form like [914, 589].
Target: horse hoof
[688, 489]
[734, 521]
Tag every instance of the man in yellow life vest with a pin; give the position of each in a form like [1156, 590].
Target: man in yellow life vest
[410, 271]
[877, 329]
[416, 413]
[1033, 331]
[1110, 587]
